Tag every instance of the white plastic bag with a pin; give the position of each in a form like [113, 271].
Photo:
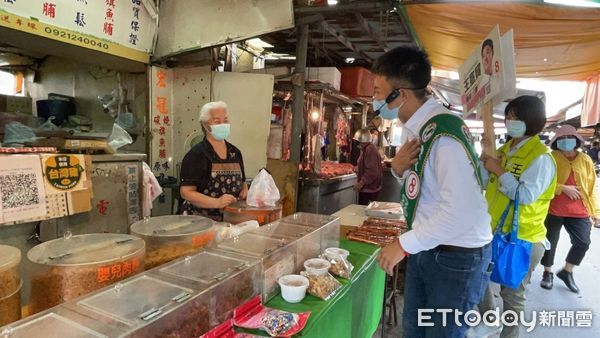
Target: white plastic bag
[126, 121]
[263, 191]
[48, 125]
[119, 138]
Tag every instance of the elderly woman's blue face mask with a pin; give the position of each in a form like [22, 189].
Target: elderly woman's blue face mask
[219, 125]
[220, 131]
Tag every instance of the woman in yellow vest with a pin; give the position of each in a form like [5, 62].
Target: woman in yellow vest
[523, 163]
[573, 205]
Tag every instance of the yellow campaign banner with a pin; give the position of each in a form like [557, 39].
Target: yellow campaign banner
[38, 28]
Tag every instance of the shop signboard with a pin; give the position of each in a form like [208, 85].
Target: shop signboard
[119, 27]
[161, 128]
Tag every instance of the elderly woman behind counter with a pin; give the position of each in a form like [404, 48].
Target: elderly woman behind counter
[212, 172]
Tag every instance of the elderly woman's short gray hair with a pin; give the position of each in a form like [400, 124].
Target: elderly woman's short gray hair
[205, 111]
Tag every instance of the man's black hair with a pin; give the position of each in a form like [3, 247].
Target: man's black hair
[529, 109]
[487, 42]
[407, 68]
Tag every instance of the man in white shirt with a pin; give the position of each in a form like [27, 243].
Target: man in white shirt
[448, 241]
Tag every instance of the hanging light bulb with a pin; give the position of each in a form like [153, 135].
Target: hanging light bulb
[314, 115]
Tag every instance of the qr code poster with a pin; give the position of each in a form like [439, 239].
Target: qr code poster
[22, 191]
[63, 173]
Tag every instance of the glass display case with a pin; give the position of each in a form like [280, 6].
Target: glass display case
[228, 279]
[277, 255]
[58, 322]
[307, 239]
[308, 219]
[72, 266]
[145, 306]
[282, 229]
[183, 298]
[10, 284]
[171, 237]
[330, 226]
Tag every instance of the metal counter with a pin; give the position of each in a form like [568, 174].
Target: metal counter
[326, 196]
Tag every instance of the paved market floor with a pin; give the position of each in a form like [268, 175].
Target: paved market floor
[559, 298]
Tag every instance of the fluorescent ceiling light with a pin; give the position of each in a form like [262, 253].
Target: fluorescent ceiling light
[453, 75]
[575, 3]
[289, 57]
[332, 2]
[350, 60]
[258, 43]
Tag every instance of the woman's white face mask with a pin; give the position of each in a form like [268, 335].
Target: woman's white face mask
[516, 128]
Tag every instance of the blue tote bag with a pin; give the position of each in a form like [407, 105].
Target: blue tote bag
[510, 254]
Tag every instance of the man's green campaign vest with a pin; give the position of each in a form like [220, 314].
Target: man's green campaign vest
[443, 125]
[531, 216]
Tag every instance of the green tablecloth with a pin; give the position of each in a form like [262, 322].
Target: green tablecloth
[355, 310]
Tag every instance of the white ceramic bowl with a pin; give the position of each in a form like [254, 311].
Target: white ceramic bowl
[317, 266]
[293, 288]
[332, 252]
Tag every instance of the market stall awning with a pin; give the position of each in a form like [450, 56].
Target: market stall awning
[551, 42]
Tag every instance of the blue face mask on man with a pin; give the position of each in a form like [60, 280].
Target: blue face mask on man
[384, 111]
[382, 107]
[566, 144]
[516, 128]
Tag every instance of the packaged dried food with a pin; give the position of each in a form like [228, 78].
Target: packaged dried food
[72, 266]
[171, 237]
[226, 330]
[378, 231]
[10, 307]
[317, 266]
[385, 210]
[277, 323]
[340, 266]
[321, 286]
[337, 251]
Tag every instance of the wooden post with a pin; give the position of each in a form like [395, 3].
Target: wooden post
[488, 129]
[298, 106]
